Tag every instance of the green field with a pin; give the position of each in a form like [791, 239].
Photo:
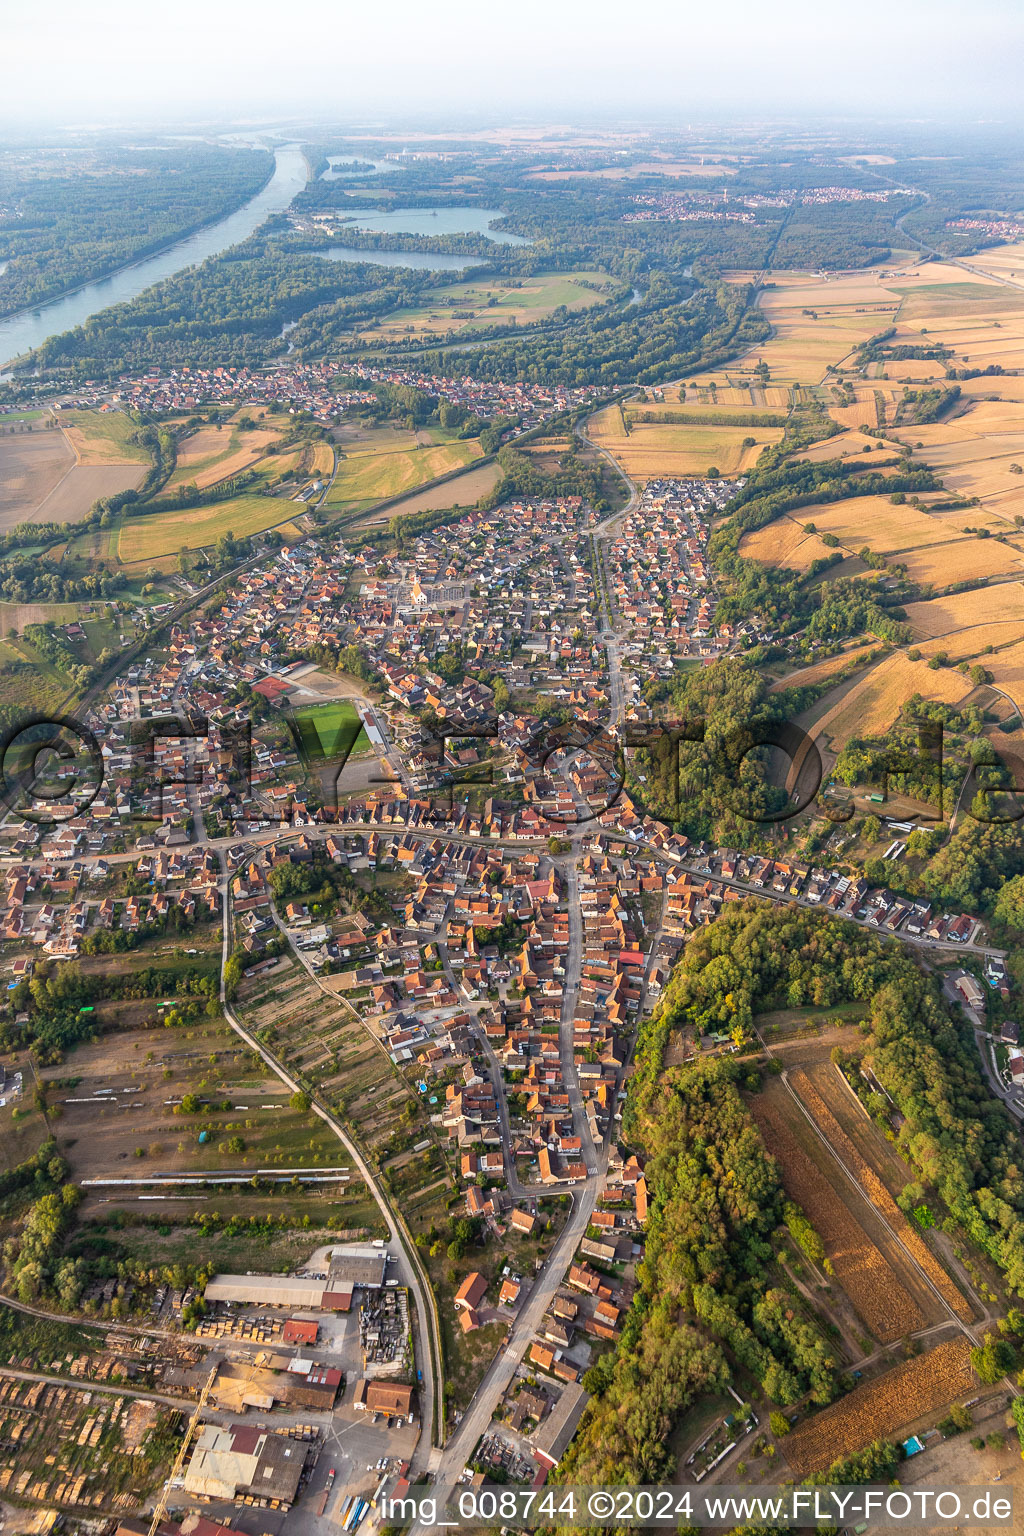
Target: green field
[164, 534]
[326, 729]
[105, 436]
[28, 681]
[379, 473]
[476, 305]
[18, 416]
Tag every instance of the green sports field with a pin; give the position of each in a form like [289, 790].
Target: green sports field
[326, 729]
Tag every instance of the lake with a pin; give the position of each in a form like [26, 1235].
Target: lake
[31, 327]
[434, 221]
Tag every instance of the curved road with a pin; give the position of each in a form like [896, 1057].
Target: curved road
[426, 1323]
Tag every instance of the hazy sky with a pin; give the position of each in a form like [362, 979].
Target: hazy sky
[83, 60]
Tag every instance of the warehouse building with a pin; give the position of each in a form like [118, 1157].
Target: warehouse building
[348, 1269]
[242, 1461]
[266, 1290]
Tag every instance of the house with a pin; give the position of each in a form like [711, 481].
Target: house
[471, 1292]
[542, 1357]
[971, 991]
[384, 1397]
[296, 1331]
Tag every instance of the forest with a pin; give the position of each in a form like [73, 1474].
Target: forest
[671, 314]
[709, 1291]
[708, 1294]
[230, 310]
[69, 217]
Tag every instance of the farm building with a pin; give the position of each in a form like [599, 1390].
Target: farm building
[471, 1292]
[362, 1267]
[299, 1331]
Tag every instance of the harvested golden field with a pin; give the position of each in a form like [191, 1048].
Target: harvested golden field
[723, 400]
[1009, 387]
[865, 412]
[874, 521]
[961, 560]
[844, 311]
[941, 275]
[874, 704]
[323, 461]
[970, 461]
[870, 1183]
[947, 615]
[815, 291]
[209, 455]
[801, 350]
[981, 322]
[822, 669]
[987, 415]
[740, 394]
[880, 1409]
[651, 450]
[1000, 511]
[966, 644]
[881, 1300]
[783, 542]
[1007, 668]
[1006, 261]
[843, 445]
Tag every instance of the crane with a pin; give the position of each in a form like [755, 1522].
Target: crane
[160, 1509]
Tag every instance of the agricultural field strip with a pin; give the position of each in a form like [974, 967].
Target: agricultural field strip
[876, 1292]
[315, 1042]
[881, 1407]
[897, 1238]
[876, 1191]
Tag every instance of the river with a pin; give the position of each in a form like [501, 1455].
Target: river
[31, 327]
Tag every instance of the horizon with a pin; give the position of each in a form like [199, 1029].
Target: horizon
[66, 65]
